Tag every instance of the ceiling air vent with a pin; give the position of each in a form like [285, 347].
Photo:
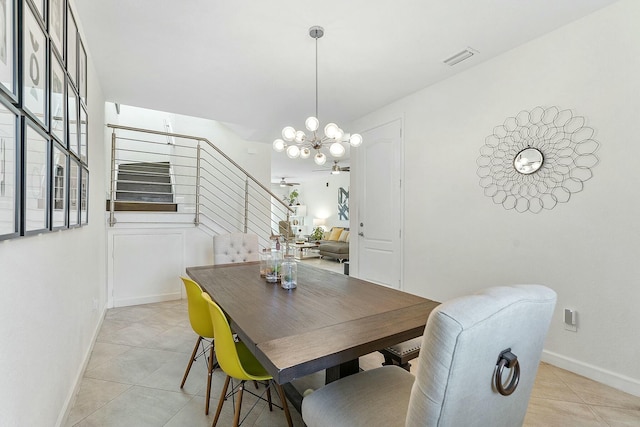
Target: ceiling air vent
[460, 56]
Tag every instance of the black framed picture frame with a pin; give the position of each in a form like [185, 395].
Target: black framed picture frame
[82, 72]
[34, 66]
[84, 137]
[72, 47]
[74, 192]
[56, 25]
[57, 100]
[60, 183]
[84, 196]
[73, 139]
[36, 174]
[8, 48]
[9, 172]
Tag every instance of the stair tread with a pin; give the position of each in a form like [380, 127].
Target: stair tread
[136, 206]
[146, 197]
[128, 176]
[144, 187]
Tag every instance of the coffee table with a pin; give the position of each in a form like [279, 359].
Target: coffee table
[303, 251]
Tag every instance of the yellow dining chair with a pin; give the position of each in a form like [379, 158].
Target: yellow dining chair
[200, 320]
[238, 362]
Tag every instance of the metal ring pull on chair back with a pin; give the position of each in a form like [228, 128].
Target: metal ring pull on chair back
[509, 360]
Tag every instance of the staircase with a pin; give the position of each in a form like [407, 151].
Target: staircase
[188, 175]
[144, 186]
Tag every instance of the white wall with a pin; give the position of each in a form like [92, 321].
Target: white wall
[458, 241]
[49, 285]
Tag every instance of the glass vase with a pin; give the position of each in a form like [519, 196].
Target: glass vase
[273, 267]
[289, 278]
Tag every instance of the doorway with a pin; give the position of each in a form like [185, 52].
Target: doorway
[379, 217]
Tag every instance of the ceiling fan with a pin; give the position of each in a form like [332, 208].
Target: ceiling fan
[284, 183]
[335, 169]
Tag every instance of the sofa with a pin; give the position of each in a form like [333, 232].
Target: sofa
[335, 244]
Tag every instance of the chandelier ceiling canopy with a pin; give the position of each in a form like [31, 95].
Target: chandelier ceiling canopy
[298, 143]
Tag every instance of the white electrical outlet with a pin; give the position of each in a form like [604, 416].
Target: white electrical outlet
[570, 320]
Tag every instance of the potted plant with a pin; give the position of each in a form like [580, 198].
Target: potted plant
[292, 197]
[316, 234]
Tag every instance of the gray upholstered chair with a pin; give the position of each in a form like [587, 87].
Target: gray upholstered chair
[455, 380]
[235, 247]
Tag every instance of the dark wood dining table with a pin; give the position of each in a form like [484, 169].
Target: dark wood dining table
[326, 323]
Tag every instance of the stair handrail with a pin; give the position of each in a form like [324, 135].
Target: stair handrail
[195, 138]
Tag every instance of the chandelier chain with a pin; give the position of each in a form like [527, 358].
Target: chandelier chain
[317, 79]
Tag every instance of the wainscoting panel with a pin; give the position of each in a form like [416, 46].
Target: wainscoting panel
[146, 266]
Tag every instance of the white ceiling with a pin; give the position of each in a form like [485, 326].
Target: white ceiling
[251, 63]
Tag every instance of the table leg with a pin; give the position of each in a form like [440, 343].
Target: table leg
[336, 372]
[293, 396]
[342, 370]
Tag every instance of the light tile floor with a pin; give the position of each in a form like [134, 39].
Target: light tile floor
[134, 373]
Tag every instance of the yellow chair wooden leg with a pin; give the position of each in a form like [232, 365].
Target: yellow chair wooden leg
[193, 356]
[283, 399]
[221, 401]
[236, 418]
[210, 373]
[269, 397]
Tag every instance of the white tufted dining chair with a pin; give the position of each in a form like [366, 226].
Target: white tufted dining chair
[235, 247]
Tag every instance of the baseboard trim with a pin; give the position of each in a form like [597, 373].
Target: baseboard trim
[612, 379]
[149, 299]
[71, 398]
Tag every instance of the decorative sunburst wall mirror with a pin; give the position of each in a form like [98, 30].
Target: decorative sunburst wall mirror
[537, 159]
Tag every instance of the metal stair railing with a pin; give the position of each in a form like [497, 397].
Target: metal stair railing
[203, 180]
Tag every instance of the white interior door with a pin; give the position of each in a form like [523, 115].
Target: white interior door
[379, 205]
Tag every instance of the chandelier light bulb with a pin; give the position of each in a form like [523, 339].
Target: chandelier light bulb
[312, 123]
[278, 145]
[319, 158]
[339, 134]
[293, 151]
[331, 130]
[305, 153]
[355, 140]
[300, 137]
[288, 133]
[337, 149]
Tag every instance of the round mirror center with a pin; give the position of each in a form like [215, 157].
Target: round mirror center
[528, 161]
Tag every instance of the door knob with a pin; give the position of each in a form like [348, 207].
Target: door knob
[361, 234]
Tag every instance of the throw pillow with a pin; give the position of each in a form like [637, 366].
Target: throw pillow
[348, 237]
[325, 235]
[343, 236]
[335, 233]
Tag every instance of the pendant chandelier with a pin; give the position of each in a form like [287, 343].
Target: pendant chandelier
[298, 143]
